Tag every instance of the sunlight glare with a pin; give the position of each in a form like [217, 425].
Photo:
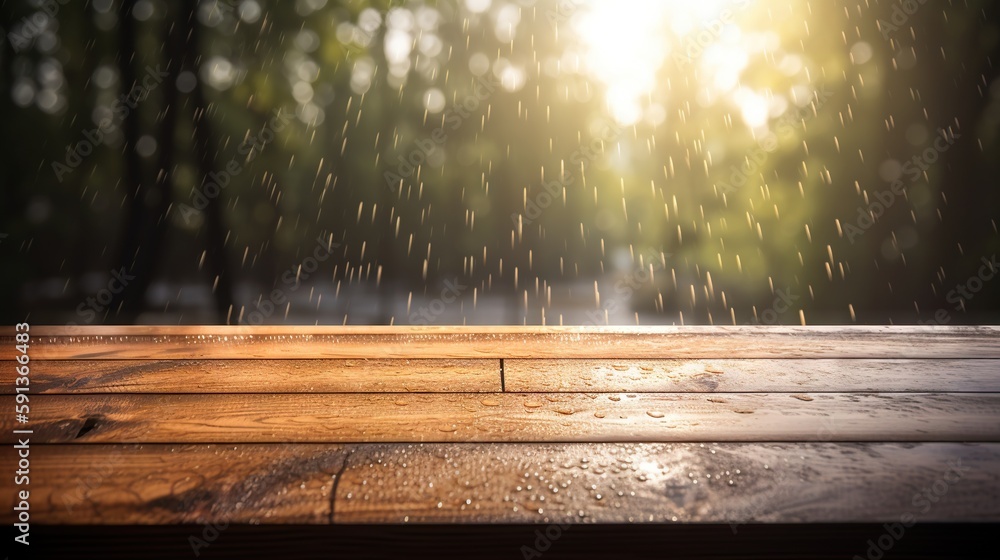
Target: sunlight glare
[627, 43]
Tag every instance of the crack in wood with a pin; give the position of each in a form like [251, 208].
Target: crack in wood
[89, 424]
[336, 482]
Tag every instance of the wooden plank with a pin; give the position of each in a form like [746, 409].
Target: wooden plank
[509, 483]
[624, 483]
[525, 417]
[429, 375]
[257, 376]
[179, 484]
[725, 375]
[144, 343]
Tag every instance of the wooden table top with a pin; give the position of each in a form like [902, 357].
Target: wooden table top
[567, 425]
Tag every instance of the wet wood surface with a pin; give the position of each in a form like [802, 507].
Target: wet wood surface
[690, 482]
[364, 375]
[320, 425]
[276, 343]
[388, 375]
[548, 417]
[751, 376]
[513, 483]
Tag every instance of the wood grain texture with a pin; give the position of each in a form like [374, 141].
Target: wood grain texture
[625, 483]
[320, 425]
[726, 375]
[133, 484]
[510, 483]
[551, 417]
[144, 343]
[257, 376]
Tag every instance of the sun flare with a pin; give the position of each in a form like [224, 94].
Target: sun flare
[626, 44]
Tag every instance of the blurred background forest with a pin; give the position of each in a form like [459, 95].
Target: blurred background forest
[500, 161]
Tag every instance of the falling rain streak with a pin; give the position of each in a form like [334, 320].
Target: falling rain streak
[507, 162]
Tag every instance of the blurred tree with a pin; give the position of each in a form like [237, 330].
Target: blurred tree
[521, 92]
